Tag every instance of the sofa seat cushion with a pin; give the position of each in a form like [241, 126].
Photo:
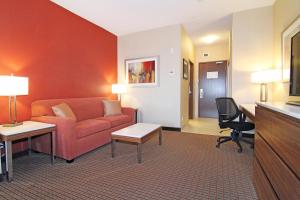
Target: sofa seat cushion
[116, 120]
[90, 126]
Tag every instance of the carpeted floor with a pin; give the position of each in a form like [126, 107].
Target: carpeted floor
[186, 166]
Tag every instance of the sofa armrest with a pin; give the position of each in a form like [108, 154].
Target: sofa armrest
[131, 112]
[65, 134]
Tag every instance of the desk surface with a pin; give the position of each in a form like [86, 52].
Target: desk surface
[282, 107]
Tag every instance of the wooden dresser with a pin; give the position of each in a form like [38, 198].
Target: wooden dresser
[277, 153]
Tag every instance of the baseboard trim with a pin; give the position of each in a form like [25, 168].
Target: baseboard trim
[166, 128]
[20, 154]
[15, 155]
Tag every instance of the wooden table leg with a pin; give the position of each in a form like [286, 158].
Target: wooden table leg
[113, 146]
[9, 164]
[139, 152]
[160, 136]
[53, 146]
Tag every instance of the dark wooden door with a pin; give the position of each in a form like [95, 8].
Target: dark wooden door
[191, 91]
[212, 84]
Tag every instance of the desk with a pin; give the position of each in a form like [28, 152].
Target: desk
[27, 130]
[249, 110]
[277, 151]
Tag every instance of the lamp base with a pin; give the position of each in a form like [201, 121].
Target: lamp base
[263, 92]
[13, 124]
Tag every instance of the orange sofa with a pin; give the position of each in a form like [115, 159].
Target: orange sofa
[74, 138]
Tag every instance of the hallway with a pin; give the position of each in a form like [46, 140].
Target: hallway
[206, 126]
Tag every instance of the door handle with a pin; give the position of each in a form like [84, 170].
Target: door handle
[201, 93]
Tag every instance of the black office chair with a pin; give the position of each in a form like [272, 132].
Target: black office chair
[228, 111]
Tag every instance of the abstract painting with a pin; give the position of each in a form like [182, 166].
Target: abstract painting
[142, 71]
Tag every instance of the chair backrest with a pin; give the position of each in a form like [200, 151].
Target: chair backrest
[227, 109]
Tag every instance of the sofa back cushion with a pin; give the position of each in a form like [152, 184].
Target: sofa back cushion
[83, 108]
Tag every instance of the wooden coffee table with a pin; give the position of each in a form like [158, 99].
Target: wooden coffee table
[137, 134]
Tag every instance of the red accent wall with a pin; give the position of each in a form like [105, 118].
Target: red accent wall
[62, 54]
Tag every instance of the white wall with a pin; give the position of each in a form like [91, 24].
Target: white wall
[252, 50]
[216, 52]
[284, 12]
[187, 53]
[159, 104]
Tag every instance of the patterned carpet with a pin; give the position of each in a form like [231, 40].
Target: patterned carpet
[186, 166]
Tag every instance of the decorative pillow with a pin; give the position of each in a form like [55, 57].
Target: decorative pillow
[112, 107]
[63, 110]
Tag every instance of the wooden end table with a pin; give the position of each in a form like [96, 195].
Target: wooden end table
[137, 134]
[27, 130]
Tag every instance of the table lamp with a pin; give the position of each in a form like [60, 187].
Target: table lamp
[263, 78]
[118, 89]
[13, 86]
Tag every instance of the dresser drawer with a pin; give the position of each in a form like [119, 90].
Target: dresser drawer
[282, 134]
[263, 121]
[262, 185]
[286, 142]
[284, 182]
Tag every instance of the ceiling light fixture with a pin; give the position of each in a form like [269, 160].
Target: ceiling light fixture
[210, 39]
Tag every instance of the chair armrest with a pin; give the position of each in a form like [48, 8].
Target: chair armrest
[242, 117]
[221, 117]
[130, 111]
[223, 114]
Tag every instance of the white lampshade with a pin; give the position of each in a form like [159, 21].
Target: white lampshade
[266, 76]
[118, 88]
[13, 86]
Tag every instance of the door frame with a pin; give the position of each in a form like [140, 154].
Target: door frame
[191, 89]
[227, 80]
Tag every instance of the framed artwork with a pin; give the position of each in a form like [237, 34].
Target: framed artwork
[185, 69]
[142, 71]
[287, 35]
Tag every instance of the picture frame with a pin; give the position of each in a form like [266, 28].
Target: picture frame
[185, 74]
[142, 71]
[286, 37]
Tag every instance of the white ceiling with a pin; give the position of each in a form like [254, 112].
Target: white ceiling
[199, 17]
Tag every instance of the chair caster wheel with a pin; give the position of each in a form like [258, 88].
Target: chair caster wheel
[218, 145]
[240, 150]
